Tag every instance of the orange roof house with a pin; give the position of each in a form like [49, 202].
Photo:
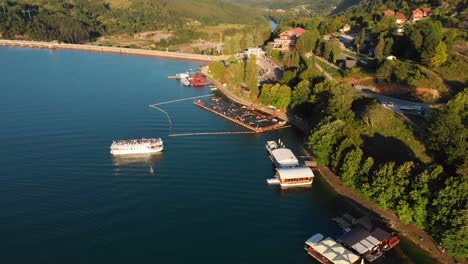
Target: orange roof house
[427, 11]
[388, 12]
[417, 14]
[400, 18]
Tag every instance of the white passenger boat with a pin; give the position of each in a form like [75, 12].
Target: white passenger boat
[183, 75]
[136, 146]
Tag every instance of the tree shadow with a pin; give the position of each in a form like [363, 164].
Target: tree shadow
[360, 105]
[386, 149]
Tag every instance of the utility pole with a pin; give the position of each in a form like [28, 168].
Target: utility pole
[3, 5]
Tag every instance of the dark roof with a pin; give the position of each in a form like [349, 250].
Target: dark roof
[381, 234]
[355, 235]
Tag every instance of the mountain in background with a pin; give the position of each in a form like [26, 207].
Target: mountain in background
[307, 7]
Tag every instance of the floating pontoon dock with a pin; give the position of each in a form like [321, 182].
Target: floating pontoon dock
[248, 118]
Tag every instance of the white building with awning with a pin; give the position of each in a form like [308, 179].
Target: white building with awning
[295, 176]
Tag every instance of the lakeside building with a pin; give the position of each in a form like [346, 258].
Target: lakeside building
[287, 40]
[400, 18]
[388, 12]
[255, 51]
[345, 28]
[417, 15]
[328, 251]
[289, 172]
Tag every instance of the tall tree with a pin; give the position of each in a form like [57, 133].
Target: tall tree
[301, 94]
[380, 49]
[440, 55]
[447, 130]
[251, 76]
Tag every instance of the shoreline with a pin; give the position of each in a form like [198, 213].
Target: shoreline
[105, 49]
[414, 234]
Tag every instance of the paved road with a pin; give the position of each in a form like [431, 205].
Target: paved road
[393, 103]
[272, 71]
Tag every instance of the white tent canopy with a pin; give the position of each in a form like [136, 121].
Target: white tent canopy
[335, 252]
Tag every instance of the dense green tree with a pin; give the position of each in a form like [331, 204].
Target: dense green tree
[216, 68]
[448, 130]
[359, 40]
[276, 95]
[425, 36]
[308, 41]
[251, 76]
[324, 139]
[351, 167]
[388, 46]
[440, 55]
[420, 194]
[301, 94]
[455, 240]
[340, 103]
[379, 49]
[332, 50]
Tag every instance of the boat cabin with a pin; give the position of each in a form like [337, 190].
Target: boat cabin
[284, 158]
[296, 176]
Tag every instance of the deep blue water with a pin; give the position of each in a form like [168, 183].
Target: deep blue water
[64, 199]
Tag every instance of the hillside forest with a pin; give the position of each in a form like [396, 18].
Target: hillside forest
[177, 21]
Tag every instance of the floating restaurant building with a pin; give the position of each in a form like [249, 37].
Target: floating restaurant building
[328, 251]
[293, 177]
[289, 172]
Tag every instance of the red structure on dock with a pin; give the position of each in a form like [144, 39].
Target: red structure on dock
[199, 80]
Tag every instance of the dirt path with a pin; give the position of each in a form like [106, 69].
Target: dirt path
[413, 233]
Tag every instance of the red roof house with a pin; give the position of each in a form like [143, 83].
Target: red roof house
[400, 18]
[388, 12]
[287, 40]
[298, 31]
[427, 11]
[417, 14]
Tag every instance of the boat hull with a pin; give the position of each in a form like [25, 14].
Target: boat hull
[304, 184]
[136, 151]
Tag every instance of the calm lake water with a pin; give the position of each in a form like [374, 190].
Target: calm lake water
[64, 199]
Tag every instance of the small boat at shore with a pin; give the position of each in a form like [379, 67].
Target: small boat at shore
[185, 82]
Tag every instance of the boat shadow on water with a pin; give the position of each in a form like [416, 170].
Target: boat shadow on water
[147, 163]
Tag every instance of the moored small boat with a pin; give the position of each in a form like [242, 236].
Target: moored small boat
[185, 82]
